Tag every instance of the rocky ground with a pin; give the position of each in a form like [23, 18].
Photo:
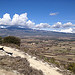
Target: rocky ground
[18, 64]
[25, 64]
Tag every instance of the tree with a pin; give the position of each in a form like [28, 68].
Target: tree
[12, 40]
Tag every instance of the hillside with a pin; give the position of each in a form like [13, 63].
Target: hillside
[25, 64]
[22, 32]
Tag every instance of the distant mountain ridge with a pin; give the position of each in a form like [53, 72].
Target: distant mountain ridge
[20, 31]
[11, 27]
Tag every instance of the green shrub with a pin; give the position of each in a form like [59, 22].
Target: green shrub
[52, 60]
[57, 64]
[12, 40]
[71, 67]
[46, 59]
[0, 40]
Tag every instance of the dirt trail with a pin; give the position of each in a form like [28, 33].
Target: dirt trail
[37, 64]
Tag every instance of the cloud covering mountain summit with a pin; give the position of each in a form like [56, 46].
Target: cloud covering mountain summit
[23, 21]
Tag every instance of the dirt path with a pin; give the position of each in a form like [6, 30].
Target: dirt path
[37, 64]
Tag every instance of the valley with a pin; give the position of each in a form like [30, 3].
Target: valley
[57, 51]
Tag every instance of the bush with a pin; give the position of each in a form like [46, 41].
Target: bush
[12, 40]
[71, 67]
[52, 60]
[0, 40]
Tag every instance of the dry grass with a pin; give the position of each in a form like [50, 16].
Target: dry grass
[61, 51]
[19, 64]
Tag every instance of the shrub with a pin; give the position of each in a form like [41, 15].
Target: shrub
[0, 40]
[52, 60]
[12, 40]
[71, 67]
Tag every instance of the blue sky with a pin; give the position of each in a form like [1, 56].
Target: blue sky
[46, 12]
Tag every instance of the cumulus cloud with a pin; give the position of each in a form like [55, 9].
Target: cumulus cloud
[69, 30]
[57, 25]
[30, 24]
[6, 20]
[52, 14]
[21, 19]
[65, 25]
[42, 25]
[68, 24]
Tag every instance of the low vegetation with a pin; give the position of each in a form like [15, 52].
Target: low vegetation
[57, 51]
[19, 64]
[71, 67]
[10, 40]
[0, 40]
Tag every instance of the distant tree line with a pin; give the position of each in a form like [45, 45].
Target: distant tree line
[10, 40]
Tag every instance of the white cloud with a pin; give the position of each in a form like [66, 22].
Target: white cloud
[30, 24]
[69, 30]
[42, 25]
[15, 19]
[65, 25]
[5, 20]
[52, 14]
[57, 25]
[21, 19]
[68, 24]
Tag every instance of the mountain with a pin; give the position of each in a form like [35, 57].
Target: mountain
[12, 27]
[20, 31]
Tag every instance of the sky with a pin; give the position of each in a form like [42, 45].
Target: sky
[51, 15]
